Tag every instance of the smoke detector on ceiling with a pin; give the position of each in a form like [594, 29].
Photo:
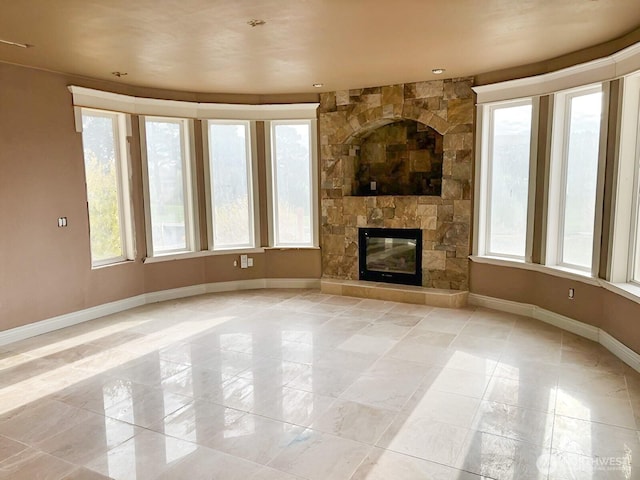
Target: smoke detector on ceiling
[438, 71]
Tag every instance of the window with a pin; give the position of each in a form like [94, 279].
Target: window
[169, 191]
[635, 266]
[629, 190]
[107, 180]
[505, 179]
[293, 182]
[574, 178]
[231, 185]
[625, 261]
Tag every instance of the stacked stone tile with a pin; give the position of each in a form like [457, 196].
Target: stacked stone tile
[348, 116]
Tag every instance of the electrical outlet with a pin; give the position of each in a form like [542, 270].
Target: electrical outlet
[62, 221]
[572, 294]
[374, 186]
[250, 262]
[243, 261]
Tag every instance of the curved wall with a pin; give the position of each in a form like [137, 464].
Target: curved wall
[45, 271]
[593, 305]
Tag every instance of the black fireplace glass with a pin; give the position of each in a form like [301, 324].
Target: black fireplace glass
[392, 255]
[395, 255]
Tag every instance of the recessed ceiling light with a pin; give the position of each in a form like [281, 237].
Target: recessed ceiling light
[256, 22]
[318, 85]
[15, 44]
[438, 71]
[119, 74]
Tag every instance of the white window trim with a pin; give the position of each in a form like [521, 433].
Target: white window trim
[252, 184]
[272, 188]
[626, 211]
[556, 188]
[87, 97]
[617, 65]
[189, 186]
[202, 253]
[484, 166]
[121, 134]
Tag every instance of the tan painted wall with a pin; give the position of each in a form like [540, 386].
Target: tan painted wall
[45, 271]
[593, 305]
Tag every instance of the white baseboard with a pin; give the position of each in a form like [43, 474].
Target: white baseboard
[620, 350]
[508, 306]
[566, 323]
[74, 318]
[293, 283]
[253, 284]
[582, 329]
[69, 319]
[174, 293]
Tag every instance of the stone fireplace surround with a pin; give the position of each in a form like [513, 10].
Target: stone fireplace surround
[346, 118]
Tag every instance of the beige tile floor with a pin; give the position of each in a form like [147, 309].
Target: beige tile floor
[280, 384]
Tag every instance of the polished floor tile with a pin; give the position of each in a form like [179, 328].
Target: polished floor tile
[383, 464]
[33, 464]
[255, 438]
[501, 458]
[295, 384]
[320, 456]
[425, 438]
[355, 421]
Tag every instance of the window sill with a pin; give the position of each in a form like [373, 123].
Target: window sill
[556, 271]
[210, 253]
[202, 253]
[629, 291]
[113, 264]
[301, 247]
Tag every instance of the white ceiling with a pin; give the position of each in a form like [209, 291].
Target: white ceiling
[207, 46]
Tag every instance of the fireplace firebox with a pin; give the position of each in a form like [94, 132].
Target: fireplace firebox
[392, 255]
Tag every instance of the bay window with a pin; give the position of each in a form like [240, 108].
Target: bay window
[575, 180]
[505, 173]
[108, 191]
[169, 186]
[293, 188]
[231, 184]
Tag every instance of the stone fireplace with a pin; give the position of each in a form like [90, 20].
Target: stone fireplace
[415, 141]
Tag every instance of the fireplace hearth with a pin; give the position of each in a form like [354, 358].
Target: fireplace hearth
[392, 255]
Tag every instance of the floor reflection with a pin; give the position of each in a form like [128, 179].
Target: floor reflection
[296, 384]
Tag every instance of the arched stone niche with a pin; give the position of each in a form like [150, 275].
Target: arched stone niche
[349, 116]
[400, 158]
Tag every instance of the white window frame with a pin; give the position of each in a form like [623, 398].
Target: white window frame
[252, 183]
[556, 189]
[625, 241]
[634, 250]
[272, 187]
[484, 165]
[121, 124]
[187, 141]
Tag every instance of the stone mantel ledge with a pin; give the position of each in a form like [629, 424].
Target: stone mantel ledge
[435, 297]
